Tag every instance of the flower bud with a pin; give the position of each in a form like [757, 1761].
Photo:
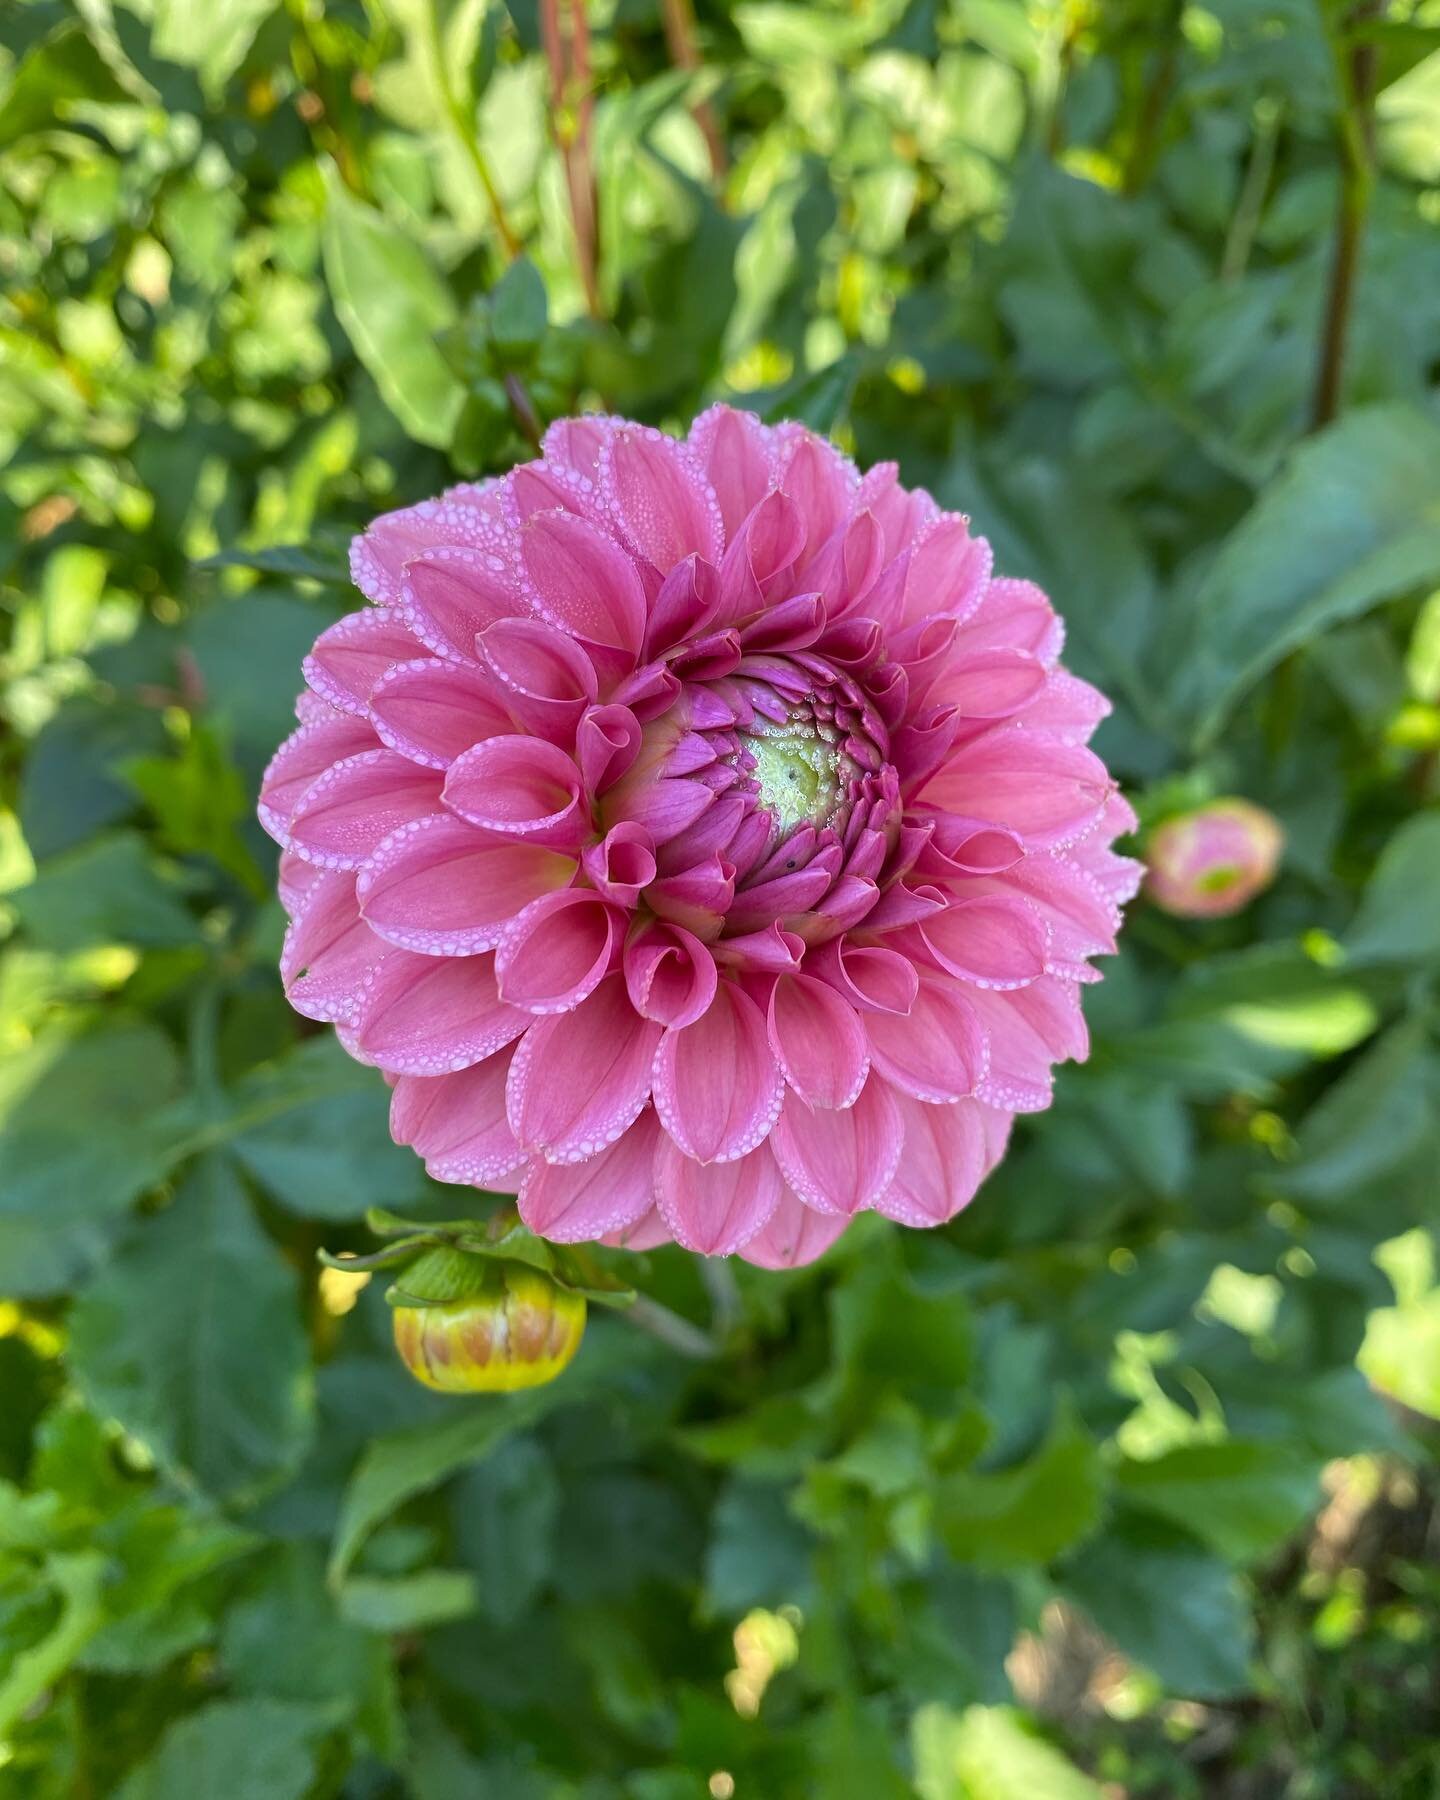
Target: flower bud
[1211, 862]
[475, 1325]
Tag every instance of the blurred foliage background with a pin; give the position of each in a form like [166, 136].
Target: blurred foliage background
[1121, 1485]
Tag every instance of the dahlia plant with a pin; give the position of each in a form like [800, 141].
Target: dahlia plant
[1214, 860]
[701, 839]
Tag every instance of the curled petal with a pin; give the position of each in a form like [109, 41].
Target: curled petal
[580, 1079]
[622, 865]
[457, 1123]
[468, 514]
[872, 979]
[558, 951]
[718, 1085]
[841, 1162]
[520, 785]
[607, 741]
[715, 1208]
[443, 888]
[670, 975]
[610, 1195]
[449, 596]
[545, 678]
[818, 1040]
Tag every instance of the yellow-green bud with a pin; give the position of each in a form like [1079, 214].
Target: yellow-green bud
[508, 1326]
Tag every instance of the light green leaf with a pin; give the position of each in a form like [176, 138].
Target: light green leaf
[392, 305]
[1029, 1514]
[191, 1339]
[1353, 520]
[108, 892]
[232, 1750]
[417, 1602]
[990, 1753]
[1241, 1497]
[1399, 916]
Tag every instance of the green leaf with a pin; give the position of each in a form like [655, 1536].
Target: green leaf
[110, 891]
[60, 1188]
[1169, 1604]
[990, 1753]
[392, 305]
[759, 1554]
[1353, 520]
[232, 1750]
[505, 1511]
[417, 1602]
[1399, 916]
[518, 309]
[403, 1464]
[191, 1339]
[78, 1578]
[1243, 1498]
[1029, 1514]
[303, 562]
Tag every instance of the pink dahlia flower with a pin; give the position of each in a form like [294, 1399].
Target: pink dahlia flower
[1212, 862]
[700, 839]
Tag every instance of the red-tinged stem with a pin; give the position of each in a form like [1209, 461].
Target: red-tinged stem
[567, 50]
[679, 18]
[1357, 181]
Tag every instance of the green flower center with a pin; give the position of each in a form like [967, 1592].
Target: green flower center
[800, 771]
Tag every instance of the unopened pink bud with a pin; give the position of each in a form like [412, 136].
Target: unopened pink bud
[1211, 862]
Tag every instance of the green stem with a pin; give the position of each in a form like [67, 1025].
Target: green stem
[462, 123]
[1154, 105]
[649, 1315]
[1240, 239]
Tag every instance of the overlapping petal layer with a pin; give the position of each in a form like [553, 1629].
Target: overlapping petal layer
[700, 837]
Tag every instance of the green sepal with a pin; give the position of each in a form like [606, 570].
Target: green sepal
[440, 1276]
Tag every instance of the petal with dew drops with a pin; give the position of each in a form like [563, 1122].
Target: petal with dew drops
[581, 1079]
[1029, 1031]
[467, 514]
[819, 1040]
[718, 1086]
[301, 760]
[714, 1208]
[989, 684]
[1050, 792]
[948, 572]
[795, 1235]
[351, 656]
[433, 711]
[558, 950]
[519, 785]
[870, 977]
[612, 1193]
[647, 1233]
[330, 952]
[659, 497]
[944, 1162]
[449, 596]
[441, 887]
[937, 1051]
[841, 1162]
[457, 1124]
[423, 1015]
[544, 677]
[993, 941]
[583, 582]
[356, 804]
[734, 450]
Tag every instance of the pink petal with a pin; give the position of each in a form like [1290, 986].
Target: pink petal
[966, 847]
[943, 1164]
[688, 600]
[822, 484]
[465, 515]
[354, 653]
[733, 450]
[609, 1195]
[558, 950]
[607, 741]
[521, 785]
[457, 1123]
[659, 497]
[545, 677]
[1028, 1032]
[449, 596]
[989, 684]
[647, 1233]
[935, 1052]
[353, 806]
[841, 1162]
[714, 1208]
[580, 1079]
[330, 952]
[795, 1235]
[995, 943]
[670, 975]
[444, 888]
[583, 581]
[433, 711]
[423, 1015]
[1051, 793]
[819, 1041]
[948, 572]
[870, 978]
[1013, 615]
[718, 1087]
[622, 865]
[300, 761]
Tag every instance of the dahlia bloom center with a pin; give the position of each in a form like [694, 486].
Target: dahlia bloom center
[700, 837]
